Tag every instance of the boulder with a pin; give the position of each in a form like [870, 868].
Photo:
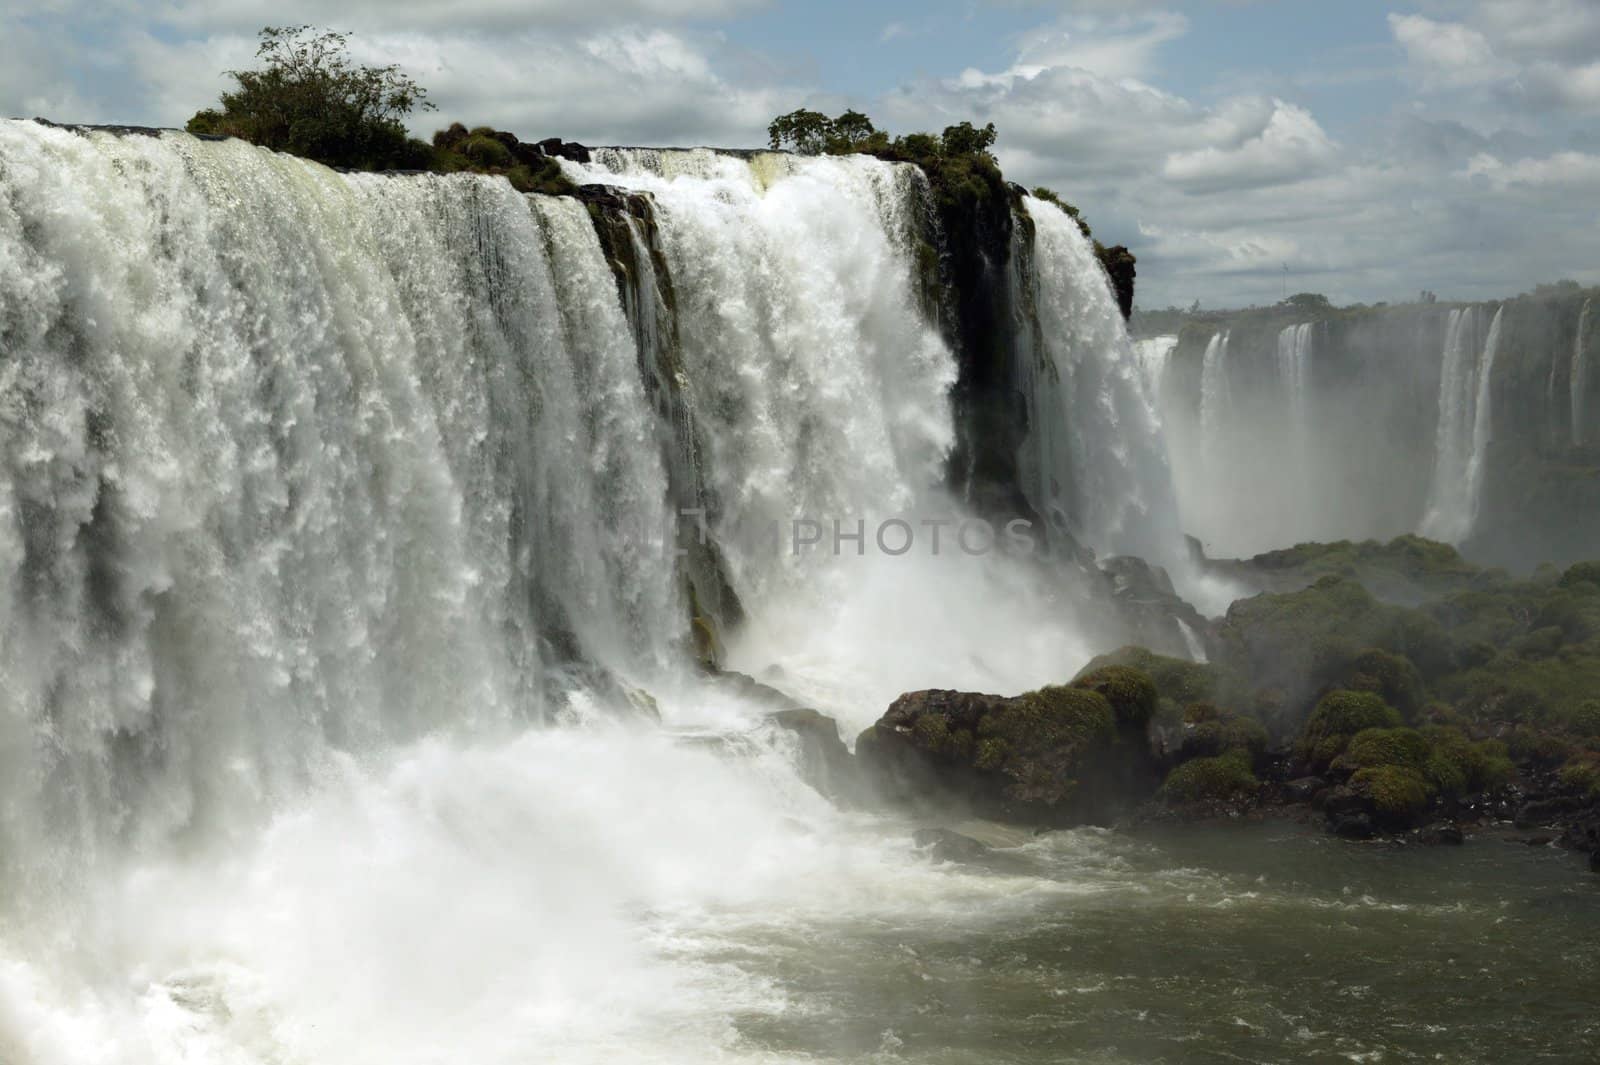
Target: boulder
[1441, 833]
[1052, 757]
[1304, 789]
[1352, 826]
[1542, 812]
[825, 763]
[943, 845]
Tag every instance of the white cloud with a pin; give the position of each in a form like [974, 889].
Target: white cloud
[1448, 54]
[396, 15]
[1291, 146]
[1564, 171]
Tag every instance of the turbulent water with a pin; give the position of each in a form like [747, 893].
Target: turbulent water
[341, 586]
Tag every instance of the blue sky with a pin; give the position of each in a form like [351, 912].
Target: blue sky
[1376, 147]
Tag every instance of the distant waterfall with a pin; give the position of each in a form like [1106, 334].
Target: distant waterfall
[1215, 405]
[1155, 356]
[1579, 381]
[1464, 427]
[1096, 453]
[1294, 369]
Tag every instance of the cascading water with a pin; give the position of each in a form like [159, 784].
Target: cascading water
[318, 490]
[1464, 426]
[1154, 355]
[1095, 459]
[1579, 379]
[1214, 401]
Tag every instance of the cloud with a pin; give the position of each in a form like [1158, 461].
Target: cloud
[1448, 54]
[1527, 55]
[398, 15]
[1564, 171]
[1289, 147]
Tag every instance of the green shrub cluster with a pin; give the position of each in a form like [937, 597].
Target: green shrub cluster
[1215, 779]
[312, 100]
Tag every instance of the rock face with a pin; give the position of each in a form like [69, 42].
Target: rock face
[825, 762]
[1055, 757]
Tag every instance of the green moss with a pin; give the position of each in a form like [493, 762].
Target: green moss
[1131, 693]
[1210, 780]
[1585, 719]
[1398, 793]
[1374, 747]
[1582, 774]
[1178, 679]
[1214, 731]
[1445, 776]
[1051, 719]
[1340, 716]
[1389, 675]
[1480, 766]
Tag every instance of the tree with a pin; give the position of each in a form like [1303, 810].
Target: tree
[1308, 301]
[967, 139]
[806, 132]
[311, 99]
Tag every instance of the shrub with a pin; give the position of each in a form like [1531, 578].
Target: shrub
[1178, 679]
[1394, 746]
[1131, 693]
[1585, 719]
[1582, 573]
[1398, 793]
[1390, 675]
[310, 99]
[1338, 717]
[1583, 774]
[1210, 779]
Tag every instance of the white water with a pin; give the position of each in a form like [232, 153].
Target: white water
[1096, 457]
[1579, 379]
[1215, 407]
[310, 487]
[1464, 427]
[1154, 355]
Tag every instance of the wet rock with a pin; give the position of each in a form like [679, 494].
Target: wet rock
[1304, 789]
[1441, 833]
[1352, 826]
[1547, 811]
[560, 149]
[1052, 757]
[825, 763]
[943, 845]
[1594, 862]
[1341, 801]
[1539, 841]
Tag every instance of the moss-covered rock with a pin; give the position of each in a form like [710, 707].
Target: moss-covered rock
[1375, 747]
[1131, 693]
[1051, 756]
[1182, 681]
[1210, 731]
[1399, 795]
[1339, 716]
[1211, 780]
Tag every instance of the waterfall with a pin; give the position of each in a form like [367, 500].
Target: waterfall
[1154, 355]
[1096, 456]
[1215, 404]
[337, 581]
[1464, 427]
[1578, 383]
[1294, 368]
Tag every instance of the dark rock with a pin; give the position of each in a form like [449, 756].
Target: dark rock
[1352, 826]
[561, 149]
[1539, 841]
[1441, 833]
[1594, 862]
[1547, 811]
[1342, 801]
[1305, 789]
[1053, 757]
[946, 846]
[825, 762]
